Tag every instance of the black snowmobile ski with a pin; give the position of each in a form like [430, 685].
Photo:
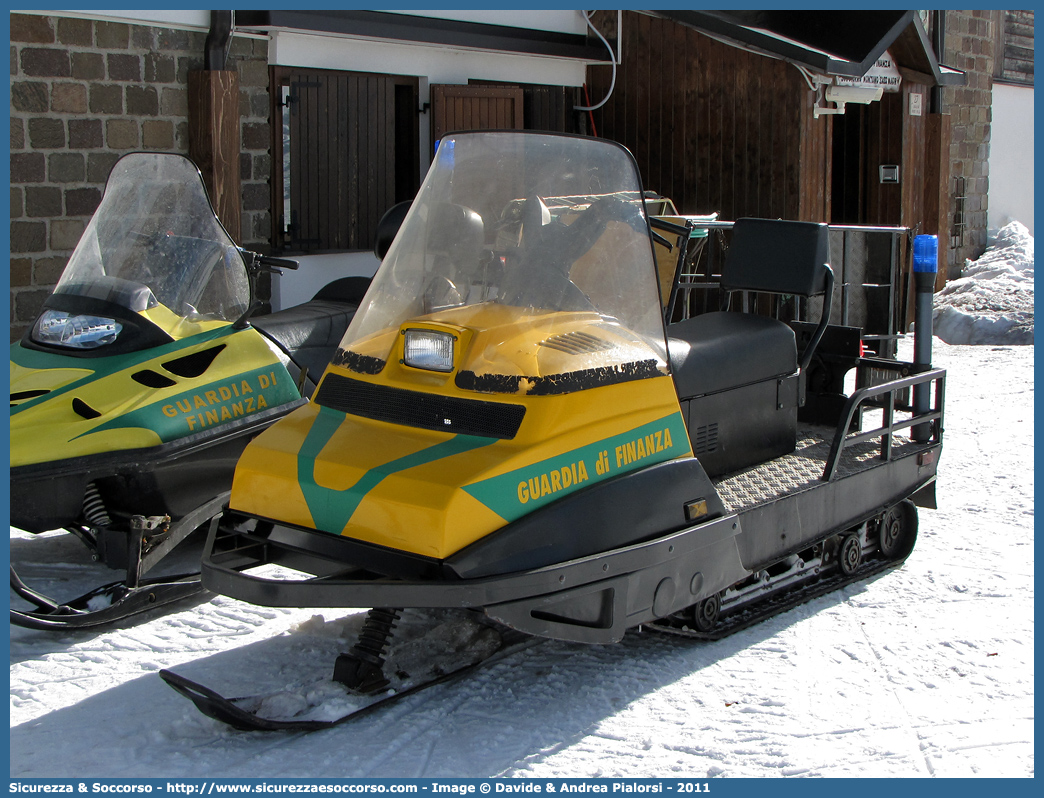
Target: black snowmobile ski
[242, 713]
[122, 599]
[116, 601]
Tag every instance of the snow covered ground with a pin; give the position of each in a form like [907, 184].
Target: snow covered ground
[923, 671]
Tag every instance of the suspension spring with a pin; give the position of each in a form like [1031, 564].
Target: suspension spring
[361, 669]
[376, 634]
[94, 508]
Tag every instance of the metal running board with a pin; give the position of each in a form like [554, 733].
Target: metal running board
[800, 470]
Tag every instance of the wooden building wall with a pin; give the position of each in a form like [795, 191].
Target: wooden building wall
[714, 127]
[1013, 46]
[915, 162]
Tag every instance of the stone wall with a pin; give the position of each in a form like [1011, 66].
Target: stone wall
[970, 38]
[83, 93]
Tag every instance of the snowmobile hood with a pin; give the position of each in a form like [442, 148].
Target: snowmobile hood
[64, 406]
[433, 492]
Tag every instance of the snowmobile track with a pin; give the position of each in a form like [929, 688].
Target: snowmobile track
[772, 605]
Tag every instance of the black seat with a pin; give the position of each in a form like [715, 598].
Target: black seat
[308, 334]
[720, 351]
[738, 375]
[345, 289]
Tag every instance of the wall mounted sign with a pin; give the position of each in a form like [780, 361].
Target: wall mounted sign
[883, 74]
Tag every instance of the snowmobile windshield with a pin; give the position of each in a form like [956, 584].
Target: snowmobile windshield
[156, 241]
[538, 245]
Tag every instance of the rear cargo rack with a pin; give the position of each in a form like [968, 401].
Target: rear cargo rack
[858, 401]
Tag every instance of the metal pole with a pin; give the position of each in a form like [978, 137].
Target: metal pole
[925, 266]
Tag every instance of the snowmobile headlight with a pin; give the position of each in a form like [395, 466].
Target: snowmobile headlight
[428, 349]
[58, 328]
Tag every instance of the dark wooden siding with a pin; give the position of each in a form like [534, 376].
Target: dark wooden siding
[714, 127]
[816, 161]
[884, 145]
[915, 161]
[1013, 46]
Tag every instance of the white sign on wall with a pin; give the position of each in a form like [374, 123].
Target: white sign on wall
[882, 75]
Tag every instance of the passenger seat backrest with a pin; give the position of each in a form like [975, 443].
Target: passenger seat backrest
[777, 256]
[782, 257]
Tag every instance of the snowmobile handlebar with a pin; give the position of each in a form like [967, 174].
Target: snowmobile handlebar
[256, 263]
[267, 263]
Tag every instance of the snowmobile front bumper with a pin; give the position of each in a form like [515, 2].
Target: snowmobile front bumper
[592, 599]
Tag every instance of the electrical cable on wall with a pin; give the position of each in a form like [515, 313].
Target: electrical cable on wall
[590, 115]
[231, 33]
[612, 83]
[807, 75]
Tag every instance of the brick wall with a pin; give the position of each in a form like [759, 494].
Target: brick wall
[970, 45]
[85, 92]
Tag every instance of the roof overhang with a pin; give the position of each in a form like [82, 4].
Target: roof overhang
[430, 31]
[843, 43]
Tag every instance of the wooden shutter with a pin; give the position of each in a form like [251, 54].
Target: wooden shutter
[352, 155]
[342, 141]
[550, 108]
[475, 108]
[544, 107]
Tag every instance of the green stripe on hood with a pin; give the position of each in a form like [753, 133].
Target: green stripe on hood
[332, 508]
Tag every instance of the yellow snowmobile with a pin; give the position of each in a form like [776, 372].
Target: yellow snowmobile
[144, 377]
[509, 426]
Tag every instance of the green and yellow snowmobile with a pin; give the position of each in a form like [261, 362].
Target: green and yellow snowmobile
[509, 426]
[143, 378]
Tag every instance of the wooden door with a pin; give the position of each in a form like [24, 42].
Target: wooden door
[865, 138]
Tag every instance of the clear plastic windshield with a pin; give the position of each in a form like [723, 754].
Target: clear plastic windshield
[510, 229]
[155, 240]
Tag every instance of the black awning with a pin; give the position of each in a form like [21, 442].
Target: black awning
[429, 30]
[845, 43]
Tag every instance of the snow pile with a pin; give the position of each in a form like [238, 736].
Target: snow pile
[992, 302]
